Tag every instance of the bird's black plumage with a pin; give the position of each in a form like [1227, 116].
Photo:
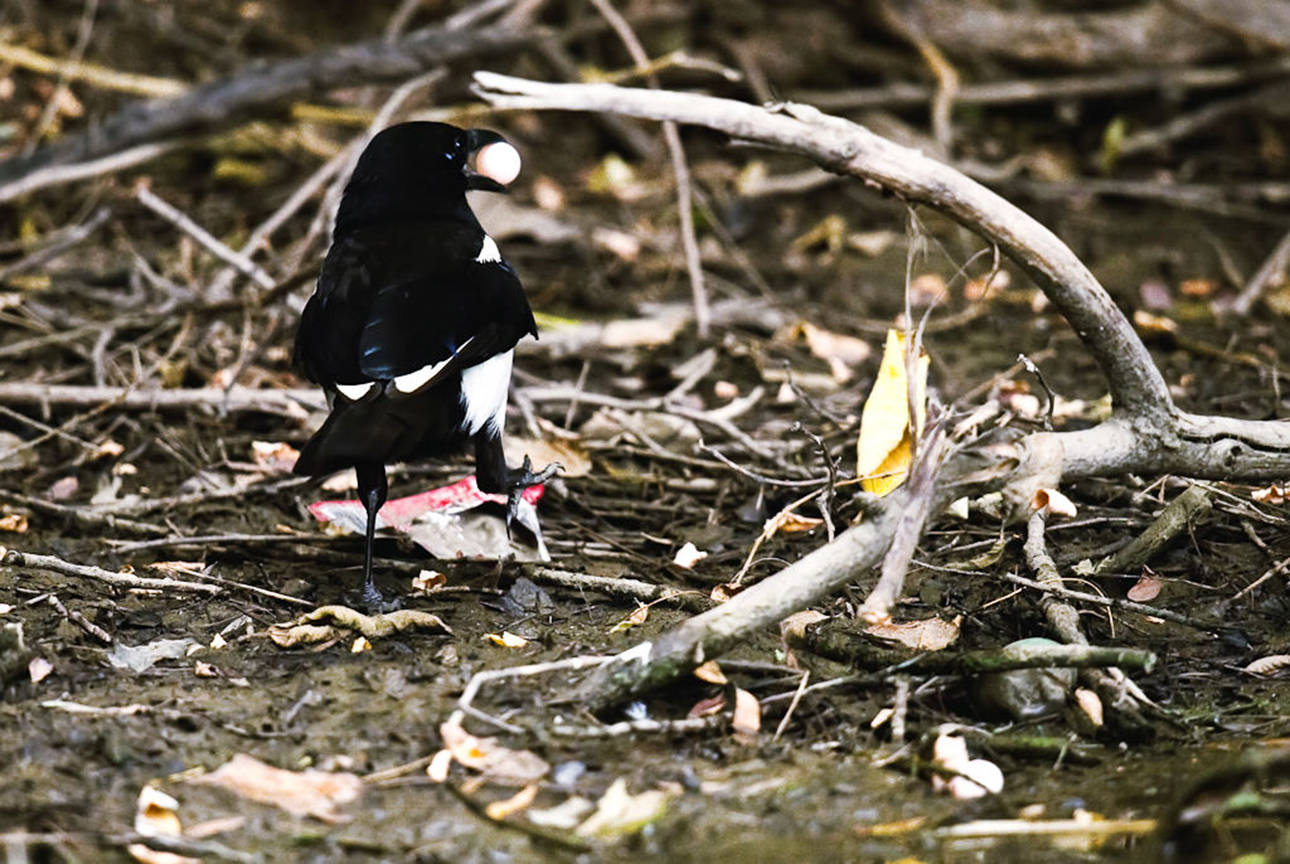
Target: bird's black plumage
[411, 327]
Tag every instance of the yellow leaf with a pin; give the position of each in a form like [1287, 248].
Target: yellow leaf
[506, 639]
[884, 450]
[638, 616]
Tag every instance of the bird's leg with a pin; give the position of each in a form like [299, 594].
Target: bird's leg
[495, 478]
[372, 491]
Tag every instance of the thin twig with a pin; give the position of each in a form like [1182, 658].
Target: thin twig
[208, 241]
[1059, 590]
[1273, 267]
[57, 243]
[289, 402]
[14, 558]
[680, 168]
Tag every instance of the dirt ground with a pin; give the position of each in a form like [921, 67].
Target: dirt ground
[126, 306]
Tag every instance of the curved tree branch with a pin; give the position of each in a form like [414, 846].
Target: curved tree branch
[848, 148]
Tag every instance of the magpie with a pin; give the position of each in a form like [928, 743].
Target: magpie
[413, 323]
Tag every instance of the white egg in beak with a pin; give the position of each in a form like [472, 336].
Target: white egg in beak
[498, 161]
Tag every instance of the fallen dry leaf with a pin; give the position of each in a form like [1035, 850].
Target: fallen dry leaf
[617, 177]
[794, 626]
[711, 673]
[155, 816]
[274, 457]
[976, 289]
[688, 555]
[723, 592]
[746, 720]
[1268, 665]
[341, 481]
[507, 639]
[1147, 588]
[871, 244]
[830, 232]
[791, 522]
[1148, 323]
[725, 390]
[427, 581]
[625, 246]
[440, 765]
[1091, 704]
[707, 707]
[828, 346]
[930, 634]
[1053, 503]
[565, 815]
[639, 615]
[499, 810]
[302, 793]
[1273, 494]
[39, 669]
[928, 288]
[15, 522]
[64, 488]
[140, 658]
[490, 758]
[1155, 295]
[980, 777]
[641, 332]
[548, 194]
[1015, 397]
[108, 449]
[360, 645]
[884, 448]
[1198, 287]
[618, 812]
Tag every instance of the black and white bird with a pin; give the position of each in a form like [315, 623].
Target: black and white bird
[415, 318]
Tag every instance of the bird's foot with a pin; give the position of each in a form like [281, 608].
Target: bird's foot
[376, 603]
[520, 479]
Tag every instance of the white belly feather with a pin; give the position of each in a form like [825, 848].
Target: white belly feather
[484, 390]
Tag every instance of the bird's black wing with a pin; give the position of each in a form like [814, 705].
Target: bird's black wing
[401, 299]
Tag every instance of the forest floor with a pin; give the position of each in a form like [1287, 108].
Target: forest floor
[801, 279]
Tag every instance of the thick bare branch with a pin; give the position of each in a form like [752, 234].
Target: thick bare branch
[676, 652]
[848, 148]
[262, 88]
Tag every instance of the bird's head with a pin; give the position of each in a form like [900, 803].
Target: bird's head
[423, 170]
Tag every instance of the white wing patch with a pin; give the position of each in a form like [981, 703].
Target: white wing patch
[354, 392]
[488, 252]
[413, 380]
[484, 389]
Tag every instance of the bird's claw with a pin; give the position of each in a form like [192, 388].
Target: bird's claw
[521, 479]
[375, 603]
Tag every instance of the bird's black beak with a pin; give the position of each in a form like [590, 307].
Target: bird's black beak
[477, 139]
